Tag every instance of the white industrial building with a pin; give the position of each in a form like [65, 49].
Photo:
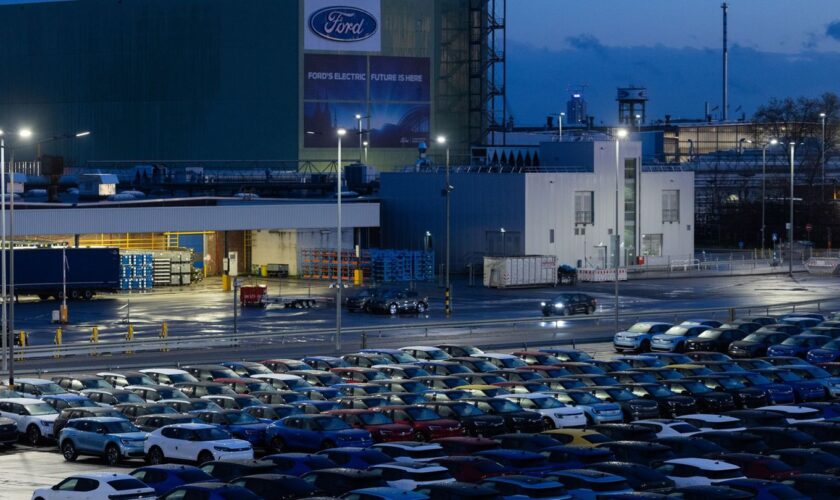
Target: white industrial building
[566, 209]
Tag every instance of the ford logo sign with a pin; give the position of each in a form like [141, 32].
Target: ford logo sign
[343, 24]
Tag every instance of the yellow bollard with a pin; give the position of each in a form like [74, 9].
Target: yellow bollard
[129, 336]
[94, 339]
[164, 333]
[57, 342]
[24, 341]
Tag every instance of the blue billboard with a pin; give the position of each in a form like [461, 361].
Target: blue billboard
[399, 79]
[334, 78]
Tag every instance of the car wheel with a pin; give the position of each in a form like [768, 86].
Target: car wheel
[393, 310]
[589, 420]
[277, 444]
[155, 456]
[33, 435]
[567, 311]
[326, 445]
[204, 457]
[549, 424]
[112, 455]
[419, 436]
[421, 307]
[644, 346]
[68, 449]
[680, 348]
[590, 310]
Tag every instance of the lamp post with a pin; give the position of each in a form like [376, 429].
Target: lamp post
[3, 255]
[638, 123]
[502, 230]
[790, 227]
[772, 142]
[362, 142]
[620, 134]
[340, 132]
[447, 191]
[560, 126]
[822, 157]
[365, 144]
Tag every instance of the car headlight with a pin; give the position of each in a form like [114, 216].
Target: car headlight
[542, 304]
[222, 448]
[558, 306]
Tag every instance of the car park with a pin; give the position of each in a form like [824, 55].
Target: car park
[97, 485]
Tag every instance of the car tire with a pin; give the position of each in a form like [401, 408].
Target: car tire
[33, 435]
[549, 424]
[155, 456]
[567, 311]
[326, 445]
[112, 455]
[421, 307]
[204, 456]
[393, 309]
[644, 346]
[546, 313]
[590, 310]
[420, 437]
[68, 450]
[277, 444]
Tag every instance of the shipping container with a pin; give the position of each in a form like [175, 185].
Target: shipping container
[39, 271]
[525, 271]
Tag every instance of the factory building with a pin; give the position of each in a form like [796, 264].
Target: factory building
[565, 208]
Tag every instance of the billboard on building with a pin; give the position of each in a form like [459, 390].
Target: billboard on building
[342, 25]
[392, 93]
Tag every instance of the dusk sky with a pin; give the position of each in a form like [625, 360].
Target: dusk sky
[777, 48]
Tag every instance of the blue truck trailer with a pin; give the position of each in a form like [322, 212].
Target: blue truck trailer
[39, 271]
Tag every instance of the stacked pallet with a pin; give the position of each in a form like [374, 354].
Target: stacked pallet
[136, 271]
[168, 267]
[379, 266]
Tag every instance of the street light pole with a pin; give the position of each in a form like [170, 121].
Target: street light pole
[359, 120]
[447, 190]
[3, 255]
[772, 142]
[502, 230]
[560, 126]
[341, 132]
[620, 134]
[790, 228]
[822, 157]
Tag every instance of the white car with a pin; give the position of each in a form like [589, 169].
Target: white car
[410, 475]
[795, 414]
[713, 422]
[97, 485]
[555, 413]
[38, 387]
[699, 471]
[667, 427]
[169, 376]
[411, 451]
[283, 381]
[194, 443]
[33, 417]
[426, 353]
[503, 361]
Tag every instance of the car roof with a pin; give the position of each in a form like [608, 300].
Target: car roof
[589, 475]
[103, 475]
[35, 381]
[102, 420]
[164, 371]
[414, 445]
[23, 401]
[703, 463]
[408, 465]
[421, 348]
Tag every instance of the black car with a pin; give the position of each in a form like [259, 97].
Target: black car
[9, 432]
[639, 452]
[633, 407]
[567, 304]
[639, 477]
[708, 401]
[360, 300]
[691, 446]
[134, 410]
[671, 404]
[208, 373]
[714, 339]
[755, 344]
[276, 486]
[744, 325]
[516, 419]
[807, 460]
[707, 492]
[817, 486]
[81, 382]
[395, 302]
[525, 441]
[474, 421]
[745, 397]
[148, 423]
[227, 470]
[783, 437]
[737, 441]
[339, 480]
[626, 432]
[822, 431]
[758, 418]
[191, 404]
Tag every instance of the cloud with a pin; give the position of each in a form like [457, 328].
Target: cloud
[833, 30]
[811, 41]
[585, 41]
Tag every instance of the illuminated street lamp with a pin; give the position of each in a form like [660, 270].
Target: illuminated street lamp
[619, 134]
[341, 133]
[822, 157]
[447, 191]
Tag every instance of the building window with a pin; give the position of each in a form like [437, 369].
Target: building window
[551, 235]
[670, 205]
[584, 203]
[652, 245]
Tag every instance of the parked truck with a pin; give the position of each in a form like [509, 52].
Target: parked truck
[41, 271]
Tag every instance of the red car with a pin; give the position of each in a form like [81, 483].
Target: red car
[471, 469]
[466, 445]
[354, 375]
[380, 425]
[760, 466]
[425, 423]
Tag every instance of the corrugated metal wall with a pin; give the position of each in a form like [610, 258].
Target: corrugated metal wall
[154, 79]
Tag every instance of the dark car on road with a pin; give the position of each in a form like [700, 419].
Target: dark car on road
[714, 339]
[360, 300]
[395, 302]
[567, 304]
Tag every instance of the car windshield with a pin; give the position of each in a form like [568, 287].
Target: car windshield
[241, 418]
[795, 341]
[731, 383]
[177, 378]
[121, 427]
[128, 397]
[694, 387]
[171, 394]
[40, 409]
[640, 328]
[328, 378]
[755, 378]
[677, 331]
[547, 403]
[420, 414]
[620, 394]
[466, 410]
[96, 383]
[710, 334]
[331, 424]
[584, 398]
[50, 388]
[786, 376]
[658, 391]
[294, 384]
[504, 406]
[834, 345]
[126, 484]
[812, 372]
[211, 434]
[375, 418]
[757, 337]
[402, 357]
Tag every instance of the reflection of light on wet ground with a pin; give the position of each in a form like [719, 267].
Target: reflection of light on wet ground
[559, 323]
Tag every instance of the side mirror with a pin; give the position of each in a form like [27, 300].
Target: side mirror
[100, 430]
[22, 412]
[54, 488]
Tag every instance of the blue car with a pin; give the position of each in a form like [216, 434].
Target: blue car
[804, 390]
[395, 356]
[638, 337]
[209, 491]
[527, 487]
[111, 438]
[673, 340]
[585, 484]
[238, 423]
[826, 353]
[167, 476]
[777, 394]
[521, 462]
[828, 410]
[761, 489]
[325, 363]
[298, 464]
[271, 412]
[356, 458]
[811, 373]
[314, 432]
[798, 345]
[63, 401]
[385, 493]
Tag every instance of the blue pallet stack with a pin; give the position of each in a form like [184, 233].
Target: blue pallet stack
[136, 271]
[390, 266]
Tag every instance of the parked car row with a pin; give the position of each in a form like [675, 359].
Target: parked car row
[446, 421]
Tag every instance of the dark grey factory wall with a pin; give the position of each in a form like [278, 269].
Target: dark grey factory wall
[154, 79]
